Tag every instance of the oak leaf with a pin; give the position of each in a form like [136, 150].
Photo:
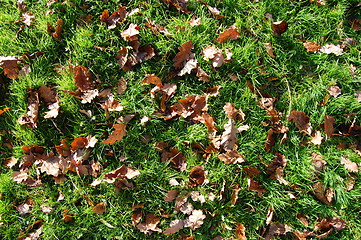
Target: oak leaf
[231, 156]
[240, 232]
[118, 133]
[230, 34]
[152, 79]
[183, 55]
[174, 227]
[197, 176]
[301, 121]
[349, 165]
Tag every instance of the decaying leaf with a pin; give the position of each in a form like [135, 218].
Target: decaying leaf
[334, 91]
[316, 138]
[171, 195]
[56, 32]
[327, 225]
[269, 49]
[331, 48]
[188, 67]
[235, 192]
[277, 229]
[350, 182]
[183, 55]
[240, 232]
[118, 133]
[50, 97]
[130, 33]
[23, 209]
[231, 156]
[117, 16]
[46, 209]
[120, 172]
[194, 21]
[275, 169]
[197, 176]
[349, 165]
[99, 208]
[173, 155]
[180, 5]
[229, 137]
[230, 34]
[152, 79]
[30, 118]
[255, 186]
[195, 220]
[174, 227]
[150, 225]
[269, 216]
[279, 27]
[252, 171]
[311, 46]
[320, 192]
[10, 65]
[233, 112]
[302, 121]
[328, 126]
[122, 85]
[318, 163]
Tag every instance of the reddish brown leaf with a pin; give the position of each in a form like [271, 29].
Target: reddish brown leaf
[122, 85]
[56, 32]
[235, 192]
[29, 119]
[208, 120]
[137, 217]
[180, 5]
[51, 99]
[122, 56]
[255, 186]
[123, 171]
[303, 219]
[118, 133]
[197, 176]
[183, 55]
[67, 217]
[311, 46]
[156, 28]
[202, 75]
[279, 27]
[230, 34]
[277, 229]
[82, 77]
[152, 79]
[275, 169]
[240, 232]
[320, 192]
[99, 208]
[10, 65]
[252, 171]
[302, 121]
[117, 16]
[356, 24]
[328, 126]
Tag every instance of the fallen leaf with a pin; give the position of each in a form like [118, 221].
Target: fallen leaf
[277, 229]
[197, 176]
[331, 48]
[229, 137]
[122, 85]
[255, 186]
[252, 171]
[318, 163]
[328, 126]
[188, 67]
[275, 169]
[183, 55]
[269, 49]
[23, 209]
[180, 5]
[311, 46]
[334, 91]
[231, 156]
[99, 208]
[195, 220]
[196, 196]
[150, 225]
[11, 162]
[320, 192]
[152, 79]
[240, 232]
[130, 33]
[269, 216]
[30, 118]
[349, 165]
[56, 32]
[117, 134]
[194, 21]
[350, 182]
[171, 195]
[317, 138]
[301, 121]
[215, 12]
[230, 34]
[174, 227]
[233, 112]
[319, 2]
[202, 75]
[210, 52]
[67, 217]
[279, 27]
[156, 28]
[120, 172]
[46, 209]
[51, 99]
[137, 217]
[235, 192]
[356, 24]
[27, 18]
[10, 66]
[117, 16]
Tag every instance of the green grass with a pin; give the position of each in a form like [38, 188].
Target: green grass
[303, 81]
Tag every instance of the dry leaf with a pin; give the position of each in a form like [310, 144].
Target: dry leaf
[194, 21]
[302, 121]
[331, 48]
[99, 208]
[67, 217]
[252, 171]
[183, 55]
[232, 112]
[279, 27]
[122, 85]
[117, 16]
[197, 176]
[195, 220]
[10, 66]
[255, 186]
[171, 195]
[235, 192]
[230, 34]
[156, 28]
[320, 192]
[188, 67]
[328, 126]
[229, 137]
[269, 49]
[270, 214]
[318, 163]
[130, 33]
[180, 5]
[152, 79]
[317, 138]
[311, 46]
[231, 156]
[215, 12]
[23, 209]
[349, 165]
[175, 226]
[150, 225]
[117, 134]
[275, 169]
[334, 91]
[29, 119]
[240, 232]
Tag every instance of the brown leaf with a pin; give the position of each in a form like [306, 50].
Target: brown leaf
[229, 137]
[29, 119]
[180, 5]
[150, 225]
[311, 46]
[318, 163]
[328, 126]
[232, 112]
[122, 85]
[23, 209]
[202, 75]
[188, 67]
[130, 33]
[269, 49]
[99, 208]
[277, 229]
[331, 48]
[137, 217]
[120, 172]
[330, 222]
[117, 134]
[82, 77]
[67, 217]
[10, 66]
[117, 16]
[183, 55]
[231, 156]
[356, 24]
[252, 171]
[56, 32]
[230, 34]
[197, 176]
[174, 227]
[152, 79]
[51, 99]
[215, 12]
[302, 121]
[279, 27]
[171, 195]
[334, 91]
[319, 2]
[122, 56]
[156, 28]
[320, 192]
[275, 169]
[350, 182]
[349, 165]
[240, 232]
[235, 192]
[255, 186]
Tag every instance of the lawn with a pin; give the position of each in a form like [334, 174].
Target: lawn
[176, 119]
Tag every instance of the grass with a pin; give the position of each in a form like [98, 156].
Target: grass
[303, 81]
